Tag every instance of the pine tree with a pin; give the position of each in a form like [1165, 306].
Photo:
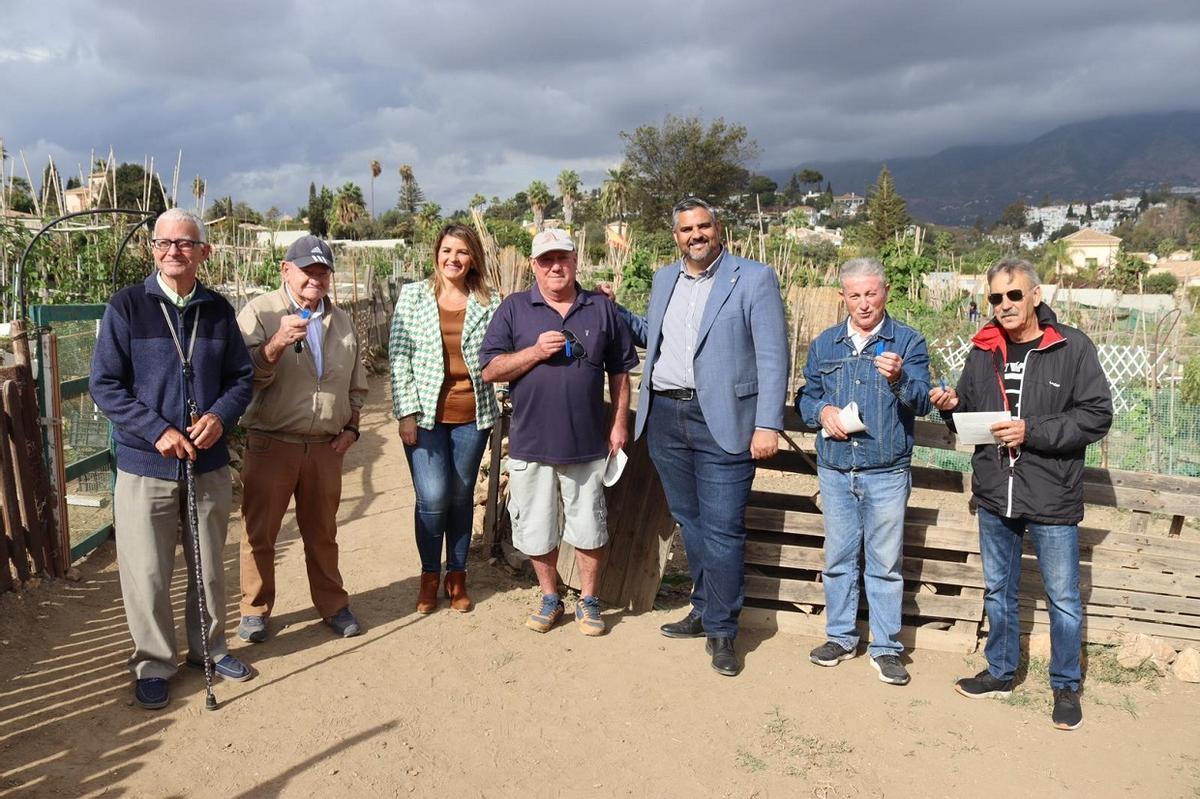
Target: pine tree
[886, 210]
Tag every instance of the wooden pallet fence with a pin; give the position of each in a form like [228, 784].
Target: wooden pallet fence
[1131, 580]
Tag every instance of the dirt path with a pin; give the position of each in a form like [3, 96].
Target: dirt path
[475, 705]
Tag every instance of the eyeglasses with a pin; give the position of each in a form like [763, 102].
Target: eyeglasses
[184, 245]
[573, 348]
[1016, 295]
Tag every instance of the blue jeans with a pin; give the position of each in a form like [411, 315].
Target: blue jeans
[864, 511]
[707, 489]
[444, 465]
[1057, 547]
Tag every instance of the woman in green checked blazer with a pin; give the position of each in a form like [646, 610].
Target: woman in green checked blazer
[445, 409]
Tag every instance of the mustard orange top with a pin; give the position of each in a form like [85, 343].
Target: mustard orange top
[456, 402]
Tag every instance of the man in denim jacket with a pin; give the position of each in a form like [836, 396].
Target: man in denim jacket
[882, 366]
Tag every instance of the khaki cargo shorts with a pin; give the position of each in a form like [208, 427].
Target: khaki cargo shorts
[550, 503]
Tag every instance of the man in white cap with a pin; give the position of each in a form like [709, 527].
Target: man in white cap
[553, 345]
[309, 387]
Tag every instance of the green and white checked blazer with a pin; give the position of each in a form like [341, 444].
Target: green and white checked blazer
[419, 363]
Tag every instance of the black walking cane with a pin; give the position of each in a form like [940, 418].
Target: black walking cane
[210, 701]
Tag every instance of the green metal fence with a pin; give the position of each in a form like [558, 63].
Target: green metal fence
[77, 438]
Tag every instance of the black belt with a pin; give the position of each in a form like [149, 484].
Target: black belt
[681, 394]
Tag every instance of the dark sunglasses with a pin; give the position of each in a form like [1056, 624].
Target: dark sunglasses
[1016, 295]
[573, 348]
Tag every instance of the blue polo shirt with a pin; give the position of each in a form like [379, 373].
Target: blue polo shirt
[558, 405]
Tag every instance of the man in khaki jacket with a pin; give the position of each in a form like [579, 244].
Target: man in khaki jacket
[309, 387]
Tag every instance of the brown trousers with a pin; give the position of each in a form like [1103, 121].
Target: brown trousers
[273, 471]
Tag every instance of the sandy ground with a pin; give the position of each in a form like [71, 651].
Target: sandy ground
[476, 705]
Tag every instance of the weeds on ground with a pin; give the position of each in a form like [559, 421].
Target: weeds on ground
[1125, 703]
[799, 753]
[1033, 693]
[1102, 667]
[748, 762]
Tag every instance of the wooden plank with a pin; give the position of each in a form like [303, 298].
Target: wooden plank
[1130, 579]
[492, 509]
[12, 536]
[1109, 625]
[814, 627]
[29, 542]
[808, 592]
[1104, 611]
[1185, 549]
[1098, 635]
[812, 524]
[43, 530]
[812, 558]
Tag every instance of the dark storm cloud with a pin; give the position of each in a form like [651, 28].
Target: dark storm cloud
[265, 97]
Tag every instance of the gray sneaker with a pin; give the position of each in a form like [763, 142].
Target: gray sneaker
[830, 653]
[344, 623]
[253, 629]
[890, 669]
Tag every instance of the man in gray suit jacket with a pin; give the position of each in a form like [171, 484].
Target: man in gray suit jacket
[711, 402]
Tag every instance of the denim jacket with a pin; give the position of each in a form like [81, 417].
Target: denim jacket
[834, 375]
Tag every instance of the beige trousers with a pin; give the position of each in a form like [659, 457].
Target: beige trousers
[150, 516]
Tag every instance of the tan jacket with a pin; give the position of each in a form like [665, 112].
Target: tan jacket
[291, 401]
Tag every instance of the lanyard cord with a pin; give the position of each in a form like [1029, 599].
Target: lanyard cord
[185, 361]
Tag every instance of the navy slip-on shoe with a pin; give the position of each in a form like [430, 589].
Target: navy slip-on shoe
[152, 693]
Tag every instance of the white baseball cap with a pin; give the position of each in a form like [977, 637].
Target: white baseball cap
[551, 239]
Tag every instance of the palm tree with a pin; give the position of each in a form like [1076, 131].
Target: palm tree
[614, 193]
[199, 187]
[538, 196]
[376, 171]
[477, 201]
[568, 187]
[348, 208]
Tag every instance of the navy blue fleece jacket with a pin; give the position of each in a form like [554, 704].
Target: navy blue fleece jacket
[137, 379]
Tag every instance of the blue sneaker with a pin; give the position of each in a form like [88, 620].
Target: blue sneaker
[344, 623]
[253, 629]
[549, 611]
[587, 616]
[152, 693]
[228, 667]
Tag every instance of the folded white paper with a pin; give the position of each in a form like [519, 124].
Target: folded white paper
[975, 428]
[850, 420]
[613, 467]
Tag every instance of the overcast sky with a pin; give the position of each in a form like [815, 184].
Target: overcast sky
[264, 97]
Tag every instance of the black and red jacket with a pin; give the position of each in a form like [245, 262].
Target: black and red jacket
[1066, 405]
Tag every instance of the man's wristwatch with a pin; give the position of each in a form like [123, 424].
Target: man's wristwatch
[352, 429]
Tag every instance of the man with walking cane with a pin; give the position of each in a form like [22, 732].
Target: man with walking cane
[172, 374]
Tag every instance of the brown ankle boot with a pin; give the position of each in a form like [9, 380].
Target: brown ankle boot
[456, 589]
[427, 599]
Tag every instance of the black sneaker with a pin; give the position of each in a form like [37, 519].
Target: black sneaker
[984, 685]
[891, 670]
[1068, 714]
[830, 653]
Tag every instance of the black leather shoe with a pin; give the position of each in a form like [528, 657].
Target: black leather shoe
[724, 661]
[691, 627]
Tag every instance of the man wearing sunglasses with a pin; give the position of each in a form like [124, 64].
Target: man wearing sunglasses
[553, 345]
[1030, 483]
[172, 375]
[711, 404]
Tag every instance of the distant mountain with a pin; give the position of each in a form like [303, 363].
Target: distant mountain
[1083, 160]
